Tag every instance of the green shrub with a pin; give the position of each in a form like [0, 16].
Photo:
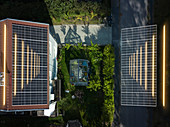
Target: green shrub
[56, 120]
[108, 72]
[71, 10]
[97, 107]
[95, 56]
[63, 68]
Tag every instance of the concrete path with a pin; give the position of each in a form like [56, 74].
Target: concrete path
[99, 34]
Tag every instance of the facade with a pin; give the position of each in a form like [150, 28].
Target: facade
[52, 66]
[53, 48]
[24, 65]
[139, 66]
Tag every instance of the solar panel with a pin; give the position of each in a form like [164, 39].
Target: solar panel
[139, 66]
[29, 75]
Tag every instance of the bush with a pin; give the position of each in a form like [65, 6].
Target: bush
[108, 72]
[97, 106]
[95, 56]
[72, 10]
[62, 66]
[56, 120]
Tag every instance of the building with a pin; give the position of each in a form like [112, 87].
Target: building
[139, 66]
[52, 66]
[24, 65]
[52, 79]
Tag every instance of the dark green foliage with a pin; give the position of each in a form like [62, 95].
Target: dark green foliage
[108, 71]
[95, 55]
[70, 107]
[93, 102]
[71, 11]
[56, 120]
[54, 11]
[96, 106]
[87, 109]
[62, 67]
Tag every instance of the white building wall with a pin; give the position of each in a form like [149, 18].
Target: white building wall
[52, 64]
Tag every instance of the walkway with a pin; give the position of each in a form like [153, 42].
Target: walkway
[99, 34]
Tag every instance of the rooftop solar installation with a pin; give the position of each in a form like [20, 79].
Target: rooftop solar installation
[29, 77]
[139, 66]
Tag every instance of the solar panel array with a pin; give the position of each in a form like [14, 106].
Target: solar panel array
[139, 66]
[29, 75]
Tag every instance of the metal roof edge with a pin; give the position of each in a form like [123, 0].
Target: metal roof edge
[24, 21]
[21, 110]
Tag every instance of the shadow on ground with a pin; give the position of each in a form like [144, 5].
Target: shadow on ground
[128, 14]
[98, 34]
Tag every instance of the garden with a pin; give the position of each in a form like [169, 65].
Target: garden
[76, 11]
[92, 105]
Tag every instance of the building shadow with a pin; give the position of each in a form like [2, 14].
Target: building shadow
[72, 37]
[73, 34]
[135, 13]
[63, 29]
[55, 35]
[54, 71]
[87, 38]
[30, 10]
[102, 36]
[85, 29]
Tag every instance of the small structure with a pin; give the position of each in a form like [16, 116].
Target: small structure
[24, 65]
[79, 72]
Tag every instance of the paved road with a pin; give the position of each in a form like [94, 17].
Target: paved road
[128, 13]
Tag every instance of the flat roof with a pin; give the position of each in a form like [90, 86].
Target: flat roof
[139, 66]
[24, 21]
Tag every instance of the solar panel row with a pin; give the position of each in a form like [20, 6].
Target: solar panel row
[139, 66]
[29, 62]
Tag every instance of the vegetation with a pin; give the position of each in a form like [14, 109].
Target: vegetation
[94, 104]
[108, 71]
[56, 120]
[95, 56]
[56, 11]
[64, 70]
[74, 11]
